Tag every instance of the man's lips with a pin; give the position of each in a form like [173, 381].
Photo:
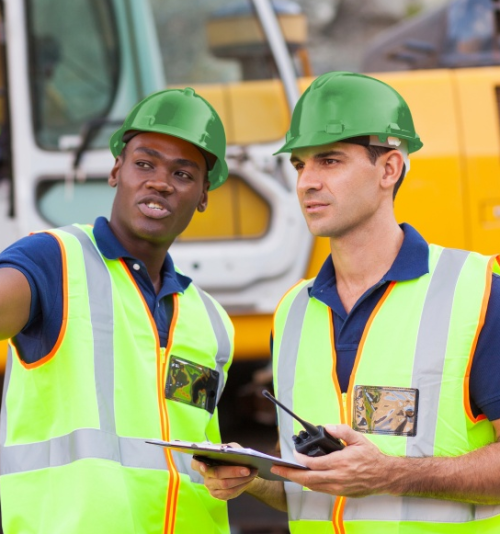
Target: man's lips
[154, 207]
[314, 206]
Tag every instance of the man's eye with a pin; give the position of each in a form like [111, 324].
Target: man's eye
[144, 165]
[298, 166]
[183, 175]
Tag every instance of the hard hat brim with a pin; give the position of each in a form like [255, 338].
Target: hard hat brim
[324, 138]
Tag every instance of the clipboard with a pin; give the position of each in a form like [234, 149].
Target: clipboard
[213, 454]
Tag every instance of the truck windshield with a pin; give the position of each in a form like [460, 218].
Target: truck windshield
[214, 41]
[74, 66]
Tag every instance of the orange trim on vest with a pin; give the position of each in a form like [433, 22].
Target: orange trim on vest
[335, 377]
[338, 515]
[64, 322]
[484, 307]
[161, 365]
[338, 508]
[174, 481]
[360, 350]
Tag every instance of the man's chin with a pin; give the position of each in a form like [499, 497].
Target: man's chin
[155, 234]
[317, 231]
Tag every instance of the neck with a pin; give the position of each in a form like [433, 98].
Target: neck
[152, 254]
[153, 260]
[363, 257]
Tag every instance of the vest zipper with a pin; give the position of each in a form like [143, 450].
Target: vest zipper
[161, 375]
[174, 477]
[339, 504]
[345, 412]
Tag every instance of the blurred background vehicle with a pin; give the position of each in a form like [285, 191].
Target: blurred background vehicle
[70, 71]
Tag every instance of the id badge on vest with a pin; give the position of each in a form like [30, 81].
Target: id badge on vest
[192, 383]
[385, 410]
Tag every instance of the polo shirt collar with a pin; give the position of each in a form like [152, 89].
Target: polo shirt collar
[411, 262]
[112, 249]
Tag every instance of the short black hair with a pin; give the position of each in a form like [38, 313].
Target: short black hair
[374, 152]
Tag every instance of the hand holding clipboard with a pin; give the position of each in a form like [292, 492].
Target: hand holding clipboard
[221, 454]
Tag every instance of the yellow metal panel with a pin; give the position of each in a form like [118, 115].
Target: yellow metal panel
[259, 111]
[252, 336]
[481, 145]
[217, 222]
[246, 30]
[430, 199]
[432, 100]
[252, 211]
[432, 196]
[234, 211]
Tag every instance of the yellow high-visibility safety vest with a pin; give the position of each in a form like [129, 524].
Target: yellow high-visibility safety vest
[73, 427]
[408, 392]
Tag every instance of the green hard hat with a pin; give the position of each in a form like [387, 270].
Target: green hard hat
[180, 113]
[339, 105]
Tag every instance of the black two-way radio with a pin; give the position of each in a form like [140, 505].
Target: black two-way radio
[314, 440]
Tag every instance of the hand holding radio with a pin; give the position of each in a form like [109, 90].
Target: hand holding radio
[314, 440]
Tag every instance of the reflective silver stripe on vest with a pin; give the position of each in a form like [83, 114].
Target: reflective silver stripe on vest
[81, 444]
[223, 342]
[100, 443]
[101, 315]
[430, 348]
[287, 362]
[430, 355]
[183, 464]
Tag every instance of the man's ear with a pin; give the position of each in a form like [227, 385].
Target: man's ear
[113, 175]
[393, 167]
[202, 204]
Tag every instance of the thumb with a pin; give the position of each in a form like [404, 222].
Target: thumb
[346, 434]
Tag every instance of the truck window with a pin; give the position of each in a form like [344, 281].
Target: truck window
[224, 42]
[74, 65]
[470, 27]
[82, 203]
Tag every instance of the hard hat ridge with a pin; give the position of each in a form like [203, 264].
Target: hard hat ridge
[181, 113]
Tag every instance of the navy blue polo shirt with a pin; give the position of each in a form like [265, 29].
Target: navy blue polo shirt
[412, 262]
[38, 257]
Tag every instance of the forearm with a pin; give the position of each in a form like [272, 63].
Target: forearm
[269, 492]
[361, 469]
[473, 477]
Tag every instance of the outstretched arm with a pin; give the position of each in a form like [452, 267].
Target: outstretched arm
[360, 469]
[15, 300]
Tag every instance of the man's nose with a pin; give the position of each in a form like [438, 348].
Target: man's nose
[161, 181]
[308, 180]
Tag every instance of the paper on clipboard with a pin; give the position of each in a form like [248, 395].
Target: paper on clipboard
[214, 454]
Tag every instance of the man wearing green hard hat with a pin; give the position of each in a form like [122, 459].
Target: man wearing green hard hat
[392, 348]
[110, 343]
